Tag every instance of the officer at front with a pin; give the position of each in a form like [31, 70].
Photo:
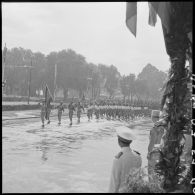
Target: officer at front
[124, 161]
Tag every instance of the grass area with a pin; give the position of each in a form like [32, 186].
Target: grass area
[18, 103]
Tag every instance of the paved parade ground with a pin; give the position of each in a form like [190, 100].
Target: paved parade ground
[62, 158]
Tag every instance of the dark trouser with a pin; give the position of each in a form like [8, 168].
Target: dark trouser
[70, 116]
[43, 117]
[78, 115]
[59, 116]
[88, 115]
[48, 113]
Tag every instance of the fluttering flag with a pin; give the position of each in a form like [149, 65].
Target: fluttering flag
[48, 99]
[152, 15]
[131, 16]
[163, 9]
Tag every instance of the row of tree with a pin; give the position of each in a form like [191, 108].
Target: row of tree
[73, 72]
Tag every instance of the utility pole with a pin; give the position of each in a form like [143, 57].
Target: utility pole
[55, 76]
[4, 59]
[90, 86]
[3, 72]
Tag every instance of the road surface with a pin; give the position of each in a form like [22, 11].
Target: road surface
[62, 158]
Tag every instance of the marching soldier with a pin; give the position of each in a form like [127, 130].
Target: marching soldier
[43, 112]
[71, 109]
[91, 108]
[48, 110]
[89, 112]
[60, 110]
[126, 160]
[97, 111]
[79, 107]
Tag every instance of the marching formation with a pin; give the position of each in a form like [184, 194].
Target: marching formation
[110, 111]
[114, 111]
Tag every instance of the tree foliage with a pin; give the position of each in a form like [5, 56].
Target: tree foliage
[176, 98]
[152, 81]
[146, 86]
[73, 72]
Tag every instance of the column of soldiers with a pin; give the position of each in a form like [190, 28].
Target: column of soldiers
[114, 111]
[103, 109]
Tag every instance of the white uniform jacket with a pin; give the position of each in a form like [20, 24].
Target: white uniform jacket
[122, 164]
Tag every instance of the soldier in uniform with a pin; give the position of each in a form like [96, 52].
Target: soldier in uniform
[48, 109]
[89, 109]
[60, 110]
[71, 109]
[97, 111]
[126, 160]
[43, 112]
[79, 107]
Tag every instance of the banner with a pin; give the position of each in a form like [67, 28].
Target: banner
[131, 17]
[163, 9]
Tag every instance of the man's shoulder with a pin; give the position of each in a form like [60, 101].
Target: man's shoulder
[137, 157]
[136, 152]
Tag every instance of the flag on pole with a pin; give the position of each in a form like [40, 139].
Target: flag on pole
[163, 9]
[131, 17]
[48, 99]
[152, 15]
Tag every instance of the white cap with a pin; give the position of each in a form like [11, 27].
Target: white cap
[155, 113]
[125, 133]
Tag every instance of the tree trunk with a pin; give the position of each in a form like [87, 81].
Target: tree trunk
[174, 98]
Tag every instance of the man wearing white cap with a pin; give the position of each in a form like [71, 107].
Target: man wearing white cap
[124, 161]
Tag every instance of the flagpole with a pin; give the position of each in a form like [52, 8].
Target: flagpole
[3, 66]
[46, 89]
[49, 91]
[29, 82]
[4, 59]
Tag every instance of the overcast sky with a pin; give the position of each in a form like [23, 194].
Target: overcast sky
[94, 30]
